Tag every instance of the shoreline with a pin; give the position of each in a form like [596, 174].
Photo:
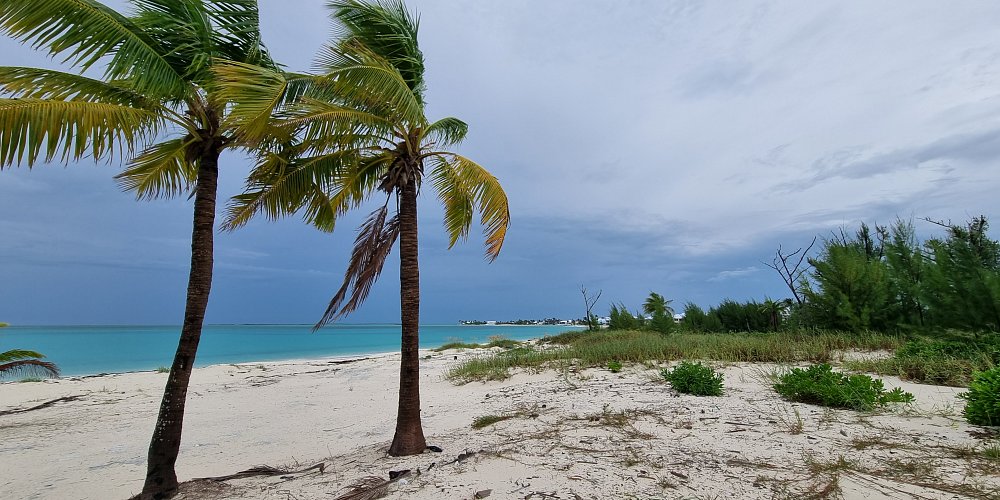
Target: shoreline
[586, 432]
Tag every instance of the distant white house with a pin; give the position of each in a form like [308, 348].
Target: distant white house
[678, 317]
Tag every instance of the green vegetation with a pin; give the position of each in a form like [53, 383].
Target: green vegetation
[487, 420]
[695, 379]
[4, 325]
[884, 279]
[495, 341]
[359, 131]
[19, 362]
[162, 369]
[614, 366]
[819, 384]
[982, 402]
[949, 362]
[598, 349]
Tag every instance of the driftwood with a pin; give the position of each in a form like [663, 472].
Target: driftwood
[263, 470]
[43, 405]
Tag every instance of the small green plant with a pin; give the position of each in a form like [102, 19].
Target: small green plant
[614, 366]
[992, 451]
[819, 384]
[982, 402]
[30, 379]
[695, 379]
[163, 369]
[487, 420]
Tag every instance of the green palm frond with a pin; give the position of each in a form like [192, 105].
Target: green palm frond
[35, 83]
[237, 33]
[161, 171]
[364, 80]
[389, 30]
[258, 95]
[89, 31]
[22, 362]
[328, 125]
[462, 183]
[446, 132]
[69, 130]
[323, 187]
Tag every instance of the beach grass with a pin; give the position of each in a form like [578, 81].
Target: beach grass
[495, 341]
[597, 349]
[950, 361]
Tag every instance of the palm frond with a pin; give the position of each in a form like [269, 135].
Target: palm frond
[325, 187]
[88, 31]
[372, 246]
[256, 94]
[446, 132]
[327, 125]
[461, 182]
[18, 354]
[362, 79]
[237, 34]
[389, 30]
[161, 171]
[23, 362]
[35, 83]
[69, 129]
[29, 367]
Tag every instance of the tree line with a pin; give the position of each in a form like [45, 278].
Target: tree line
[880, 278]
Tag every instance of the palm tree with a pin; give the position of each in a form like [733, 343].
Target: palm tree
[356, 132]
[157, 80]
[21, 362]
[657, 304]
[773, 310]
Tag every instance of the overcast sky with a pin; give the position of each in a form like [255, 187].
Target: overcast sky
[664, 146]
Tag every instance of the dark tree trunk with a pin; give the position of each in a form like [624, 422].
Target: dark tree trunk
[161, 479]
[409, 437]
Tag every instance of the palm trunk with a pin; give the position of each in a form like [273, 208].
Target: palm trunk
[161, 479]
[409, 437]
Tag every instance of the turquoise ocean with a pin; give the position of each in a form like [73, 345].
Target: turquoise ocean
[90, 350]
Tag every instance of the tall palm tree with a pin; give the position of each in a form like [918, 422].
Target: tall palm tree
[21, 362]
[358, 131]
[157, 81]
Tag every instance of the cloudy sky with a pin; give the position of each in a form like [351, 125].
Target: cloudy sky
[665, 146]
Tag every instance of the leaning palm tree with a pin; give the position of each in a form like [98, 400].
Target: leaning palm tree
[21, 362]
[156, 96]
[358, 132]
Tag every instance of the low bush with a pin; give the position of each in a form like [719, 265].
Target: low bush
[819, 384]
[695, 379]
[615, 366]
[982, 402]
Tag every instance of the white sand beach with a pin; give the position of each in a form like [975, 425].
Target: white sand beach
[588, 434]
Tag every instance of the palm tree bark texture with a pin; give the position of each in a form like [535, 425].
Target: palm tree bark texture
[161, 478]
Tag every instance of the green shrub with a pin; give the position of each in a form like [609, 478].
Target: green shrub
[982, 402]
[695, 379]
[615, 366]
[819, 384]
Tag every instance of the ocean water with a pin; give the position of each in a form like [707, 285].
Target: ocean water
[89, 350]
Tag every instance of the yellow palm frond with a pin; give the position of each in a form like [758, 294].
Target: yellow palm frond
[463, 184]
[69, 130]
[36, 83]
[257, 94]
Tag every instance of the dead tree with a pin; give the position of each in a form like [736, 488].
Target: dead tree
[589, 302]
[791, 275]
